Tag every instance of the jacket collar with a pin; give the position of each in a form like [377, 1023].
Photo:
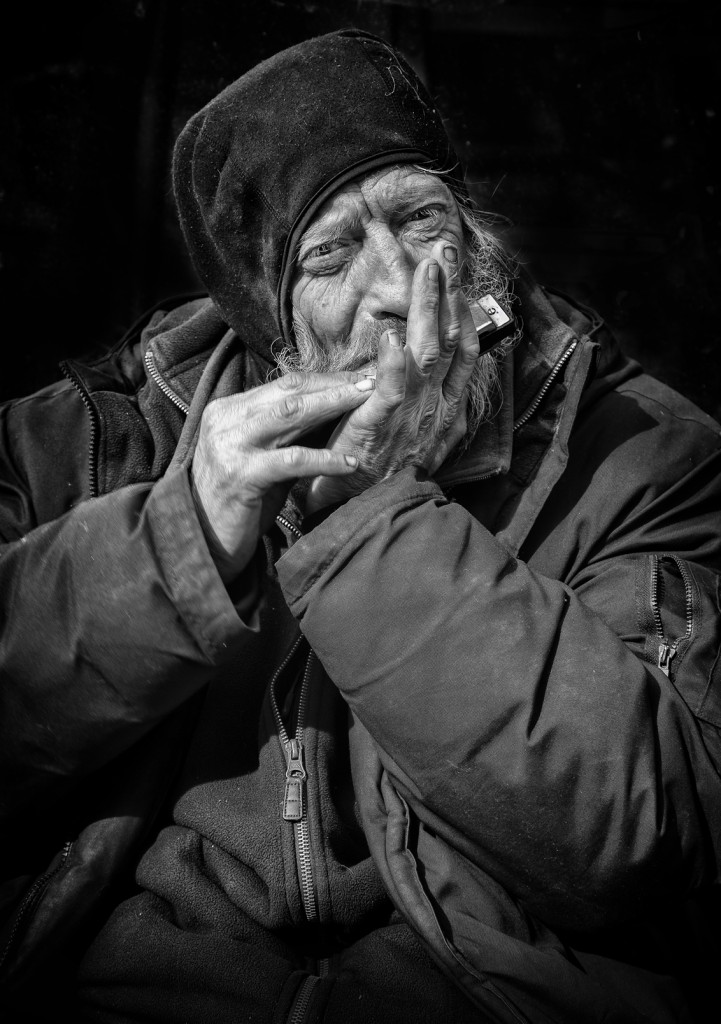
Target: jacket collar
[178, 344]
[551, 326]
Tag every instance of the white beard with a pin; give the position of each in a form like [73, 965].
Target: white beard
[486, 269]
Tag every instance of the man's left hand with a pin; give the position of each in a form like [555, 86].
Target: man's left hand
[417, 413]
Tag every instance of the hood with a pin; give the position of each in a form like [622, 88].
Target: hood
[252, 167]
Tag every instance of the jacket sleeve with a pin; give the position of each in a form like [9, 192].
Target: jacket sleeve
[516, 713]
[113, 614]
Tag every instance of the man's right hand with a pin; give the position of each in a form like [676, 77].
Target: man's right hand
[246, 459]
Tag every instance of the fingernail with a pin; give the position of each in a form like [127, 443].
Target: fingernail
[367, 384]
[351, 460]
[432, 271]
[451, 253]
[394, 339]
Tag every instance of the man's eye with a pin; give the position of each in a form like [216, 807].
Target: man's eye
[325, 258]
[324, 249]
[425, 213]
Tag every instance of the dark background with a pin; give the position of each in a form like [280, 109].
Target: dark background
[589, 128]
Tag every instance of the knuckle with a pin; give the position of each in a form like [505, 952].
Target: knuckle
[453, 282]
[427, 361]
[471, 353]
[292, 457]
[339, 394]
[451, 336]
[294, 381]
[288, 407]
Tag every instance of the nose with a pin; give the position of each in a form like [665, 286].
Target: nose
[391, 269]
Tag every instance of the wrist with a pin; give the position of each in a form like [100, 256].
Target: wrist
[229, 566]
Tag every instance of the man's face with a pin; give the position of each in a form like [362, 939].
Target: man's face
[356, 259]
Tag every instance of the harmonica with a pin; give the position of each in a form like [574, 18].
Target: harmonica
[492, 322]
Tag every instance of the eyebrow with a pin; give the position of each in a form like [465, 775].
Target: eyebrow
[419, 194]
[335, 223]
[430, 188]
[330, 228]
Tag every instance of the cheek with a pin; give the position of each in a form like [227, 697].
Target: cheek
[327, 305]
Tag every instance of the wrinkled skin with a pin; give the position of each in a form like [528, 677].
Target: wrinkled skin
[387, 246]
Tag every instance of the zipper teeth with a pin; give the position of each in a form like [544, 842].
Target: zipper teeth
[285, 739]
[70, 374]
[154, 372]
[282, 521]
[302, 1000]
[522, 420]
[305, 869]
[302, 829]
[688, 590]
[31, 898]
[303, 697]
[544, 389]
[689, 598]
[660, 635]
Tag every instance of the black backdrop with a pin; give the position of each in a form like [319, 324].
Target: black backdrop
[588, 128]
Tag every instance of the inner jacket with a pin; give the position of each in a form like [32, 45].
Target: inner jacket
[501, 685]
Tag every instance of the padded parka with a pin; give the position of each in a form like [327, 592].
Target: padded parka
[450, 753]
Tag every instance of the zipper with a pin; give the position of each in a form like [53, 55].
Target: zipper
[30, 901]
[154, 373]
[667, 649]
[522, 420]
[72, 376]
[303, 996]
[295, 809]
[291, 527]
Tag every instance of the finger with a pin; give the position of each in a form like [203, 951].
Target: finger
[278, 465]
[267, 395]
[302, 382]
[295, 413]
[450, 300]
[464, 359]
[422, 326]
[390, 386]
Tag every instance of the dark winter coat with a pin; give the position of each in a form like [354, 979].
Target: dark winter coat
[540, 799]
[510, 721]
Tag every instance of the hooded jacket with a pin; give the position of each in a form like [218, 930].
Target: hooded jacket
[538, 796]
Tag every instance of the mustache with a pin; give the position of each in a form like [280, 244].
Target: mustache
[363, 348]
[356, 350]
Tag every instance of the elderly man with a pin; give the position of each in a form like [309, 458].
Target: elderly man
[360, 663]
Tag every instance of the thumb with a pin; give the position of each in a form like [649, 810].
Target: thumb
[391, 373]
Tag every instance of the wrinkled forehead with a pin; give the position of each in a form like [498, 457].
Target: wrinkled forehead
[383, 193]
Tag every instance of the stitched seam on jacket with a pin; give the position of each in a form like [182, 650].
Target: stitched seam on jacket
[407, 502]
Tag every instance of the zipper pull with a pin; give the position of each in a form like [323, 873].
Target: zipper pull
[665, 654]
[295, 776]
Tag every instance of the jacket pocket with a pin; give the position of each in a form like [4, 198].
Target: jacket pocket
[681, 617]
